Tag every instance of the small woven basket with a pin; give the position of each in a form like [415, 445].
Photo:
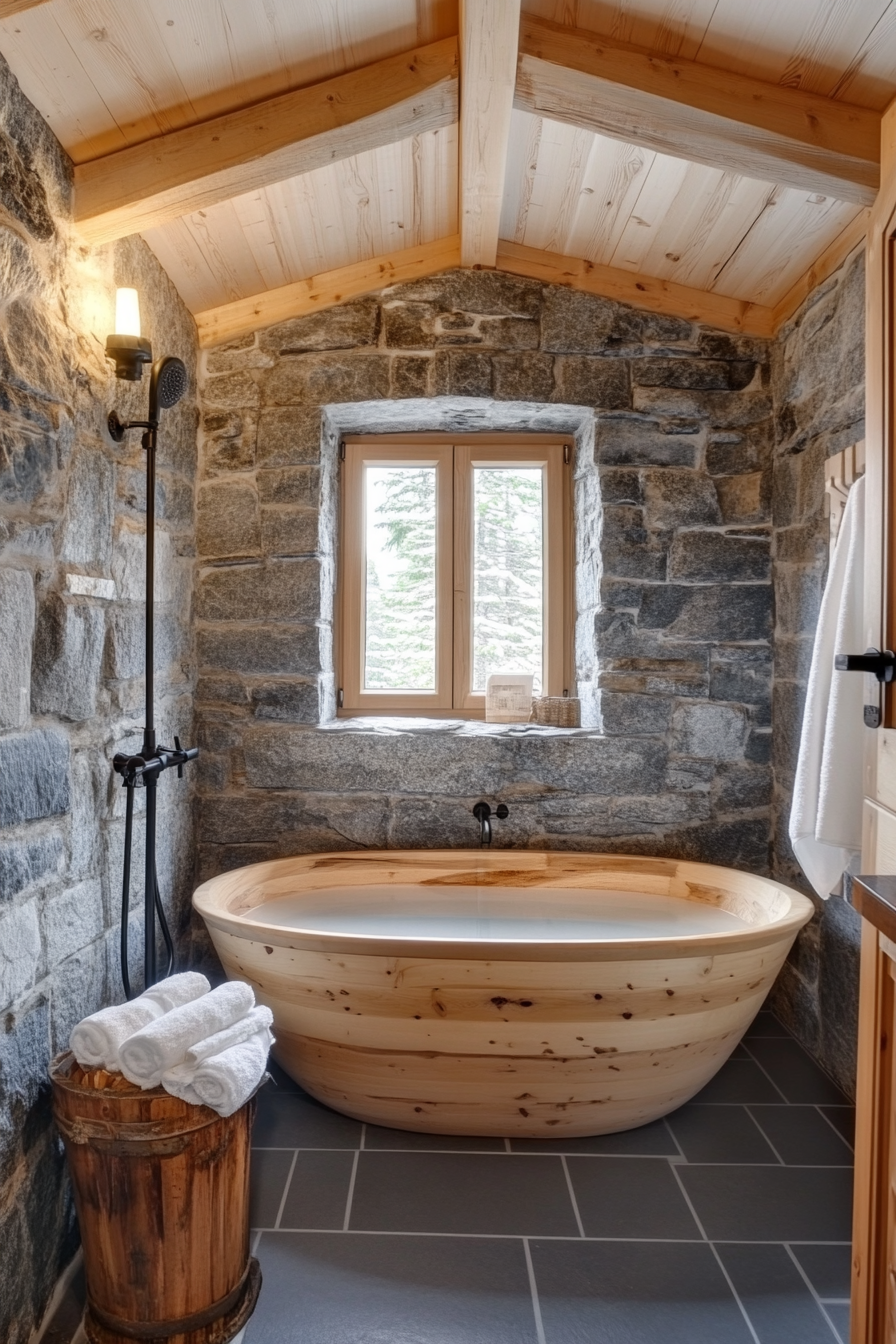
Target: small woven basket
[557, 711]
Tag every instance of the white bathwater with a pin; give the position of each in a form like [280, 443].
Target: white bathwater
[494, 914]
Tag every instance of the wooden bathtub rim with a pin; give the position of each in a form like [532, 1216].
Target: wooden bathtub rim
[211, 899]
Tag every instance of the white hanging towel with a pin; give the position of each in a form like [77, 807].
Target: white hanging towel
[826, 814]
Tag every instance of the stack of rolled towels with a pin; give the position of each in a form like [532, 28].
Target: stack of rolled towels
[206, 1046]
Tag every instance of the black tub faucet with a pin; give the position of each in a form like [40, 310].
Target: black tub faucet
[482, 812]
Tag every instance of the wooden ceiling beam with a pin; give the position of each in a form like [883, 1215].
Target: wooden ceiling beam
[696, 112]
[641, 291]
[149, 184]
[10, 7]
[489, 35]
[242, 316]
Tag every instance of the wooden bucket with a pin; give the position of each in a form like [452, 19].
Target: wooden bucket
[162, 1194]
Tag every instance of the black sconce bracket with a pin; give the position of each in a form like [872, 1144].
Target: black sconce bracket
[129, 354]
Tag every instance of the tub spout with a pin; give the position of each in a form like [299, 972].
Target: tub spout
[483, 813]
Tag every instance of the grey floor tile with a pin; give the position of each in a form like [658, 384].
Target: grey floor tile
[318, 1190]
[642, 1293]
[378, 1137]
[295, 1120]
[268, 1174]
[775, 1296]
[829, 1268]
[739, 1081]
[802, 1136]
[771, 1203]
[719, 1134]
[497, 1195]
[343, 1289]
[843, 1118]
[766, 1024]
[840, 1317]
[280, 1079]
[652, 1140]
[795, 1073]
[630, 1197]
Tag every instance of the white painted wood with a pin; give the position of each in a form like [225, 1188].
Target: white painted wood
[489, 36]
[545, 1040]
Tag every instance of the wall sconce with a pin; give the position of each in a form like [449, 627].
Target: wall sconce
[127, 347]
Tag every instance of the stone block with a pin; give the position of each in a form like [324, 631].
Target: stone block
[634, 327]
[290, 485]
[628, 715]
[221, 690]
[694, 374]
[20, 952]
[233, 391]
[81, 985]
[676, 498]
[71, 920]
[741, 788]
[227, 520]
[24, 1061]
[129, 563]
[634, 441]
[664, 810]
[29, 446]
[523, 377]
[804, 544]
[288, 436]
[491, 293]
[627, 549]
[27, 862]
[410, 326]
[793, 656]
[732, 454]
[585, 380]
[242, 353]
[339, 328]
[798, 593]
[745, 676]
[87, 528]
[714, 732]
[576, 323]
[286, 531]
[708, 612]
[317, 380]
[293, 701]
[463, 373]
[707, 557]
[283, 590]
[759, 747]
[732, 844]
[16, 636]
[125, 653]
[508, 333]
[788, 703]
[620, 486]
[727, 410]
[258, 650]
[68, 657]
[744, 499]
[410, 376]
[223, 424]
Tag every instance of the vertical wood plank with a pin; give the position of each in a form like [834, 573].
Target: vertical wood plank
[489, 40]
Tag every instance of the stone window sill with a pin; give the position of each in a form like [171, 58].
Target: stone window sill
[409, 727]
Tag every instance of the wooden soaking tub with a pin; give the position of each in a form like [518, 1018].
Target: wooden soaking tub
[502, 992]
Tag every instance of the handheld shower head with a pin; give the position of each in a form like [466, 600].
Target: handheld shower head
[167, 385]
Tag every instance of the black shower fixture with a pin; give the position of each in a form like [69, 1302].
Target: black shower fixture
[168, 383]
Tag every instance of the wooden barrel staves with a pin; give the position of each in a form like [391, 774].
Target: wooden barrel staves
[162, 1194]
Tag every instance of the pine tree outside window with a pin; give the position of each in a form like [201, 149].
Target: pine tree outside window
[454, 565]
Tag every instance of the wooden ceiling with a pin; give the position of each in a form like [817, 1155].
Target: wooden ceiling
[705, 157]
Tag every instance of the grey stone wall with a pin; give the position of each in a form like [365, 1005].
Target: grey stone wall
[673, 428]
[72, 510]
[818, 383]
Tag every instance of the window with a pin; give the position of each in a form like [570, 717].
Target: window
[454, 566]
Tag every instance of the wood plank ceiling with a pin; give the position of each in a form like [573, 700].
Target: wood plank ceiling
[611, 157]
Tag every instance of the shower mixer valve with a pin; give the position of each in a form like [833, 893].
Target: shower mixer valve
[483, 814]
[135, 770]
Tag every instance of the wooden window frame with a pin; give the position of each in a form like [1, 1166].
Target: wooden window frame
[454, 457]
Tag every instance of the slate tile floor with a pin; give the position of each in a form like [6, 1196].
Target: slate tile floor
[726, 1223]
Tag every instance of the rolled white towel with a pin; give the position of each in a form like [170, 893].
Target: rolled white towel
[96, 1041]
[222, 1040]
[224, 1081]
[146, 1055]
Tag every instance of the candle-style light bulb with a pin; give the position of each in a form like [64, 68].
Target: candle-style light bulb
[127, 312]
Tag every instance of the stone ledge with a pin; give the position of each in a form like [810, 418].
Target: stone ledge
[386, 724]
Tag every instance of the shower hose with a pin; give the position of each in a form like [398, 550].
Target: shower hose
[126, 900]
